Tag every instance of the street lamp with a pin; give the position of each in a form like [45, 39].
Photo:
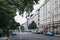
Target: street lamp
[27, 16]
[53, 22]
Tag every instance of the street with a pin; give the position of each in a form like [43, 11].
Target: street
[30, 36]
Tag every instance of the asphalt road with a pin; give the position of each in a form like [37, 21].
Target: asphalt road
[30, 36]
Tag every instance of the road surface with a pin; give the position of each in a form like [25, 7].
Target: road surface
[30, 36]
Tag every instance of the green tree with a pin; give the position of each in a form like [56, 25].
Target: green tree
[32, 25]
[22, 28]
[8, 11]
[1, 31]
[23, 5]
[14, 25]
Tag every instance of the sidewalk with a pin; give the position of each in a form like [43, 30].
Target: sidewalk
[3, 38]
[58, 35]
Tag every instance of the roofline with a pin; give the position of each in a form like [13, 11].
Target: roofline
[45, 2]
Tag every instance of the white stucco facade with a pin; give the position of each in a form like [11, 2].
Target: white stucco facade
[49, 15]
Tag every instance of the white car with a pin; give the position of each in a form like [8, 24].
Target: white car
[33, 31]
[14, 32]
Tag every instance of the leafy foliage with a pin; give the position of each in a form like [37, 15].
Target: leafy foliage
[23, 5]
[22, 28]
[8, 11]
[32, 25]
[14, 25]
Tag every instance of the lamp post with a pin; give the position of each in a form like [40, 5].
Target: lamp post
[38, 17]
[27, 22]
[27, 16]
[53, 22]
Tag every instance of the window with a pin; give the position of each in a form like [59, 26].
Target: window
[38, 23]
[38, 19]
[38, 15]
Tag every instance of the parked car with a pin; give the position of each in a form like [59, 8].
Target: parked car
[18, 30]
[28, 31]
[50, 33]
[14, 32]
[33, 31]
[39, 32]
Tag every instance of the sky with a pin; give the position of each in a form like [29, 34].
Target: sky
[18, 18]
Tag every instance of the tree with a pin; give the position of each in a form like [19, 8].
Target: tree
[8, 11]
[23, 5]
[14, 25]
[1, 31]
[22, 28]
[32, 25]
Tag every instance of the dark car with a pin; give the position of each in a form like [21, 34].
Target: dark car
[39, 32]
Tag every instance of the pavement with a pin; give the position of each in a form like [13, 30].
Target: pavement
[3, 38]
[30, 36]
[58, 35]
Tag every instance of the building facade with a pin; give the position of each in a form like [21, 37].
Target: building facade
[50, 16]
[47, 17]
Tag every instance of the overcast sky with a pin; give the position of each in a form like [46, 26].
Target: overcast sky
[21, 19]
